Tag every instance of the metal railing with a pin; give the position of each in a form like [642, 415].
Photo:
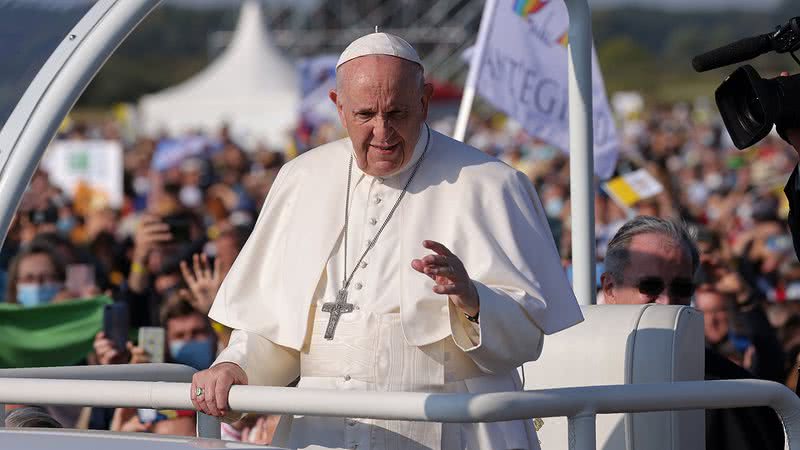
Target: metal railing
[580, 405]
[207, 426]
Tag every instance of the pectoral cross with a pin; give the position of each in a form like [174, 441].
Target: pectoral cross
[337, 308]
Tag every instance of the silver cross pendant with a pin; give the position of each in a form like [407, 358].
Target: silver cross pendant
[337, 308]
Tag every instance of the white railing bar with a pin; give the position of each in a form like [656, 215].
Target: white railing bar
[489, 407]
[579, 404]
[207, 426]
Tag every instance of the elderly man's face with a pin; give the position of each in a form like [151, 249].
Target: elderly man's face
[659, 271]
[382, 102]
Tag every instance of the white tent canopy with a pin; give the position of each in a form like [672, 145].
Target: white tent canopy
[251, 87]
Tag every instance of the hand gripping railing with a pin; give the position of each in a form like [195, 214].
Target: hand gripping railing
[207, 426]
[580, 404]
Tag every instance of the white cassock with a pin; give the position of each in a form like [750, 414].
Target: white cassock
[402, 336]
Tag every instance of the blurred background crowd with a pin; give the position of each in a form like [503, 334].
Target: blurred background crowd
[165, 251]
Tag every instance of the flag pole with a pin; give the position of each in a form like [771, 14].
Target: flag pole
[581, 158]
[474, 70]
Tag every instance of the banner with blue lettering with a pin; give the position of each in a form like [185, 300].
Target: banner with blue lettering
[524, 74]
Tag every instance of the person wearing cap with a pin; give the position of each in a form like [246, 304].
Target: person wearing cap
[397, 259]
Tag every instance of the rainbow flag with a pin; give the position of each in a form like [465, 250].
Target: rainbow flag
[524, 8]
[564, 39]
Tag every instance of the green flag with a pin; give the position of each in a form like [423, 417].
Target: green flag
[59, 334]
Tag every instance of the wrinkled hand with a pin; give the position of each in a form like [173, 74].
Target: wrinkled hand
[216, 383]
[202, 281]
[106, 352]
[150, 232]
[450, 276]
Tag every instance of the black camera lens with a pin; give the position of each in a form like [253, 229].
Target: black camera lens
[750, 105]
[751, 112]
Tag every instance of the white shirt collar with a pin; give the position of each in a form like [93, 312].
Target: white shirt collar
[419, 149]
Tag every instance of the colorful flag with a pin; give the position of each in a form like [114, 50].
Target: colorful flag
[631, 188]
[524, 74]
[524, 8]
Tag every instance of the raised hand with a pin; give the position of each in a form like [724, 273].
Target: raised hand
[150, 233]
[451, 278]
[203, 282]
[106, 352]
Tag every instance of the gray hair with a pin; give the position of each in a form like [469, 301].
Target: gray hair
[31, 417]
[618, 257]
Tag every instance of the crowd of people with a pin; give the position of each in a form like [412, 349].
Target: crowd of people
[165, 252]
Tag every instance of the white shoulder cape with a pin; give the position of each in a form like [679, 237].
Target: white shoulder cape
[485, 212]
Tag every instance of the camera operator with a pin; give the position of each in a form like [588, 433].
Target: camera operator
[792, 191]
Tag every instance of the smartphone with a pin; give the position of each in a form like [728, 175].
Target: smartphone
[79, 277]
[115, 324]
[179, 227]
[151, 339]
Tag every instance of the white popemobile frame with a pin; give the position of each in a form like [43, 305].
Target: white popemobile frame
[66, 74]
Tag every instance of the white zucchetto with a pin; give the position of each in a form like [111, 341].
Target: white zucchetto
[379, 44]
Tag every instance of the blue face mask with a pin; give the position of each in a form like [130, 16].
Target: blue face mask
[198, 353]
[65, 225]
[31, 294]
[553, 207]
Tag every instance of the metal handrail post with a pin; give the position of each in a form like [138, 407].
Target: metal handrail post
[581, 150]
[582, 432]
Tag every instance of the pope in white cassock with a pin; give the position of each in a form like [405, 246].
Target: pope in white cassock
[335, 284]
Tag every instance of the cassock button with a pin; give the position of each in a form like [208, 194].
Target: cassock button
[359, 285]
[378, 199]
[347, 378]
[363, 264]
[373, 221]
[379, 180]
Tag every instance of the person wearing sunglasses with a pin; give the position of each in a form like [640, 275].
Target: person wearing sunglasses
[653, 260]
[650, 260]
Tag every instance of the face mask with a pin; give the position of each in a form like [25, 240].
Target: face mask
[141, 185]
[191, 196]
[554, 207]
[30, 294]
[65, 225]
[198, 353]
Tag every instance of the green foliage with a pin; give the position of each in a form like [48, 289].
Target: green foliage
[651, 51]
